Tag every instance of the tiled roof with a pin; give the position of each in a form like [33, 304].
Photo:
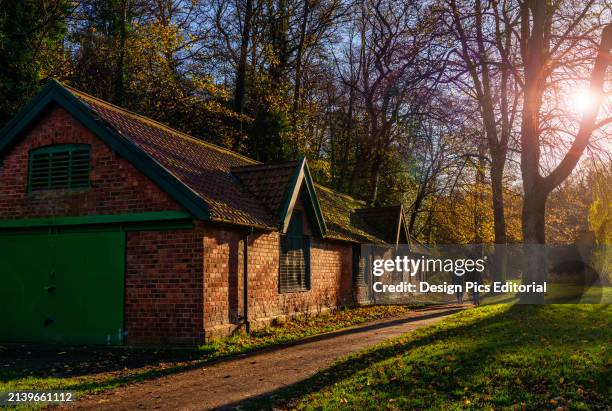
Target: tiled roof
[237, 189]
[268, 182]
[343, 223]
[386, 220]
[203, 167]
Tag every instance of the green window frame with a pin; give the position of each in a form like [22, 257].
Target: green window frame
[294, 267]
[59, 167]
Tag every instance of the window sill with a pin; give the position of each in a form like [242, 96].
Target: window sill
[63, 192]
[294, 291]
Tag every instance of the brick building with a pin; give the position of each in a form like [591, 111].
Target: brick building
[115, 229]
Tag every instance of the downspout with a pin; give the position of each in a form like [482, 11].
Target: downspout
[245, 273]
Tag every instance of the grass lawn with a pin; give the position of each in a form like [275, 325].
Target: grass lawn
[90, 369]
[560, 293]
[492, 357]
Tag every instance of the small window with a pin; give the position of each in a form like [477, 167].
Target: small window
[358, 266]
[294, 257]
[59, 167]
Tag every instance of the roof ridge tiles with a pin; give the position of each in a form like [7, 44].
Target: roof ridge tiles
[332, 191]
[365, 209]
[265, 166]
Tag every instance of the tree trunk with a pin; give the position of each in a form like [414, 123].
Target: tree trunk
[415, 212]
[298, 73]
[499, 221]
[533, 49]
[119, 87]
[374, 175]
[240, 90]
[376, 166]
[357, 175]
[279, 41]
[418, 201]
[534, 238]
[497, 140]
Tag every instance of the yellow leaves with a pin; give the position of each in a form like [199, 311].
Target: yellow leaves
[600, 212]
[270, 55]
[320, 168]
[561, 380]
[151, 45]
[468, 213]
[158, 88]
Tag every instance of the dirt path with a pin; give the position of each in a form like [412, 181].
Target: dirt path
[227, 383]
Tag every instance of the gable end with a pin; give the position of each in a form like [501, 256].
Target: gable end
[54, 92]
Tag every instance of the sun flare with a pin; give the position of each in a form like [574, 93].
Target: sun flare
[583, 100]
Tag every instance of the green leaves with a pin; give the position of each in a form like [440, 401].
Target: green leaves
[31, 33]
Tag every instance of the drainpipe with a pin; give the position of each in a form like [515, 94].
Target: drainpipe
[245, 287]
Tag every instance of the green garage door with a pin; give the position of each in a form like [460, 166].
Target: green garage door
[62, 287]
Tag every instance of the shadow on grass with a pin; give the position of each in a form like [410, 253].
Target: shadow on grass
[499, 356]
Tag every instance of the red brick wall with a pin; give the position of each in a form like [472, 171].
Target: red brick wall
[222, 265]
[116, 186]
[331, 279]
[164, 283]
[163, 294]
